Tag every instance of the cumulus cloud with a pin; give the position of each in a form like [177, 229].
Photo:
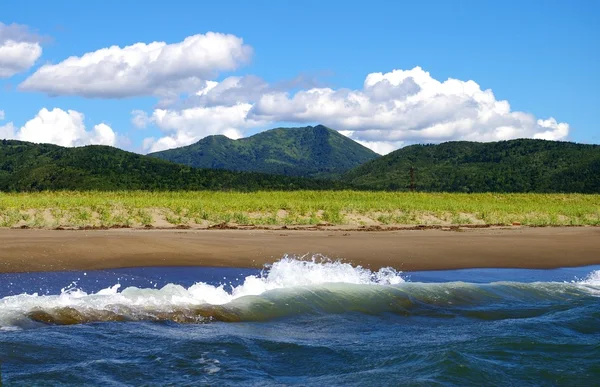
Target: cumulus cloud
[156, 68]
[231, 91]
[408, 106]
[391, 110]
[216, 108]
[381, 147]
[140, 119]
[65, 128]
[19, 49]
[555, 130]
[184, 127]
[7, 131]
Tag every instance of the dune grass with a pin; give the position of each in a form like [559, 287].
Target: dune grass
[205, 208]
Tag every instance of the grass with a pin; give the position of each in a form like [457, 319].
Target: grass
[140, 208]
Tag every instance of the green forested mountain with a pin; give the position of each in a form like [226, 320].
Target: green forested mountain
[506, 166]
[310, 151]
[32, 167]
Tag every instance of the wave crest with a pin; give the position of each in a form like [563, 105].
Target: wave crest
[288, 287]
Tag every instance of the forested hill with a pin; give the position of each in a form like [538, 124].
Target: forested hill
[507, 166]
[309, 151]
[33, 167]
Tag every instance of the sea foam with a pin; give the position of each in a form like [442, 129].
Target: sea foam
[289, 286]
[289, 272]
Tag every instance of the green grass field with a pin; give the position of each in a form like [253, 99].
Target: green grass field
[203, 209]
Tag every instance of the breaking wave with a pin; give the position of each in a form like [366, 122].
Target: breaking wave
[292, 287]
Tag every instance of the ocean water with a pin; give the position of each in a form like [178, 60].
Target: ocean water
[301, 323]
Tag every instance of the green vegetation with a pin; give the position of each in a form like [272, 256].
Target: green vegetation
[505, 166]
[36, 167]
[301, 208]
[310, 152]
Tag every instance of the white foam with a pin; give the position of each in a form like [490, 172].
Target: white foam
[289, 272]
[591, 283]
[593, 279]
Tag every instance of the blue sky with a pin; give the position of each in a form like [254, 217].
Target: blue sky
[299, 63]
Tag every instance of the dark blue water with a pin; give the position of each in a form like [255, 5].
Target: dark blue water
[307, 324]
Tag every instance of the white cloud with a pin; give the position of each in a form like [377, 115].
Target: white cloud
[156, 68]
[19, 49]
[140, 119]
[7, 131]
[381, 147]
[391, 110]
[187, 126]
[217, 108]
[556, 131]
[408, 106]
[231, 91]
[56, 126]
[102, 135]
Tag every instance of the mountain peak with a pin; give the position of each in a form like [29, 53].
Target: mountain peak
[310, 151]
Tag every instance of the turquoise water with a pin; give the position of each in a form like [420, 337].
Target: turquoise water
[301, 323]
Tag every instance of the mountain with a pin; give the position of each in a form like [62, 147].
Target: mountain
[310, 151]
[507, 166]
[34, 167]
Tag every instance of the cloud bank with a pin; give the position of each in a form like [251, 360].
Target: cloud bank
[391, 109]
[409, 106]
[56, 126]
[19, 49]
[142, 69]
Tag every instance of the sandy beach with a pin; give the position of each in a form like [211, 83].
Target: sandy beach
[517, 247]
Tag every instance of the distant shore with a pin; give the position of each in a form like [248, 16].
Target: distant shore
[407, 250]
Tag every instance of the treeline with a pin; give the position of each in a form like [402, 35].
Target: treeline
[523, 165]
[38, 167]
[505, 166]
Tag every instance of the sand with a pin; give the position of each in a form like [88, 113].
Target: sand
[517, 247]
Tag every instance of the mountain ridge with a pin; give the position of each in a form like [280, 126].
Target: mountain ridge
[521, 165]
[311, 151]
[26, 166]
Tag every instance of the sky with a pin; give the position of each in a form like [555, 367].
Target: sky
[148, 76]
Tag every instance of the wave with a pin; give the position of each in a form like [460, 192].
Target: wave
[291, 287]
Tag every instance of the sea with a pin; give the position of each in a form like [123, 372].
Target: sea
[309, 322]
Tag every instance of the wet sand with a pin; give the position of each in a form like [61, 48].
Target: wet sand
[517, 247]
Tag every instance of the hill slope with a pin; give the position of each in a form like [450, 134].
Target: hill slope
[310, 151]
[34, 167]
[506, 166]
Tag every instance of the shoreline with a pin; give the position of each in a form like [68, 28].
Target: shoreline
[283, 227]
[406, 249]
